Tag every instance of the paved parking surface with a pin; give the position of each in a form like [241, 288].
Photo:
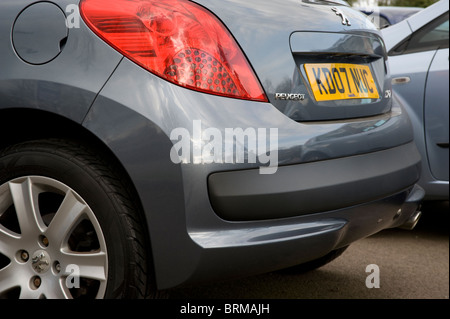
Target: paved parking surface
[412, 265]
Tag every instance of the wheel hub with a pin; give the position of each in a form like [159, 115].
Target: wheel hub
[40, 261]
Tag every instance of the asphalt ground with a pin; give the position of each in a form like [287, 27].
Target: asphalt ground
[412, 264]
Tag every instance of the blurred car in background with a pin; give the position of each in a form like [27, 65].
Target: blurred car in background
[418, 50]
[384, 17]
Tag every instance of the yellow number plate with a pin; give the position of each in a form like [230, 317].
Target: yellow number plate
[341, 81]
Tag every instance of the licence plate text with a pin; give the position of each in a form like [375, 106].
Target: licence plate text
[341, 81]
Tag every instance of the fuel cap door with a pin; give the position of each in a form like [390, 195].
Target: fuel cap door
[39, 33]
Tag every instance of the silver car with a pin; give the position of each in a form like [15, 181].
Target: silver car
[419, 60]
[149, 144]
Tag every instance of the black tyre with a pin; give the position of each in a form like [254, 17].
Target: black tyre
[69, 227]
[316, 263]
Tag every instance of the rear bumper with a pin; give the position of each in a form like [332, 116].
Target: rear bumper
[245, 250]
[304, 211]
[313, 187]
[301, 218]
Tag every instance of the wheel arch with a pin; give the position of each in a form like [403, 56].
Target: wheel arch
[144, 149]
[20, 125]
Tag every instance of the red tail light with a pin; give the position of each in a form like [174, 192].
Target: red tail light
[177, 40]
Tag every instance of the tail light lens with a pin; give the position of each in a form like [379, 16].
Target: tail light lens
[177, 40]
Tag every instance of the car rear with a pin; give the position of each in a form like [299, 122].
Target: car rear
[346, 162]
[306, 153]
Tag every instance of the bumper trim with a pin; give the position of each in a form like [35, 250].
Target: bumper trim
[313, 187]
[242, 237]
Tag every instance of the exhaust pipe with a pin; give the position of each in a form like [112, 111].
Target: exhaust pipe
[411, 208]
[412, 221]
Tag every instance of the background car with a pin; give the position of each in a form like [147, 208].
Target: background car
[384, 16]
[110, 111]
[418, 51]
